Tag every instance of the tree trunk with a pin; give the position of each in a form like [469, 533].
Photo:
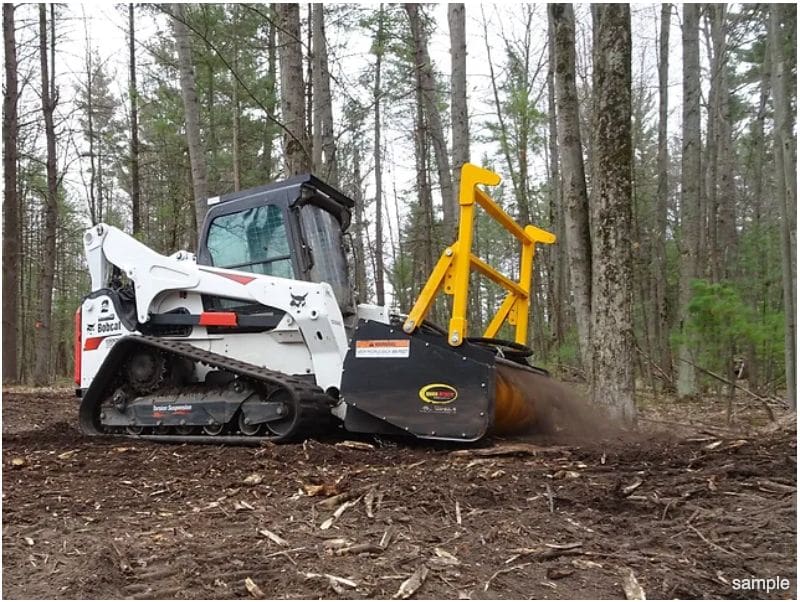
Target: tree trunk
[434, 129]
[690, 191]
[324, 141]
[134, 99]
[556, 209]
[296, 155]
[197, 153]
[612, 270]
[573, 180]
[786, 193]
[376, 100]
[95, 204]
[423, 225]
[658, 280]
[11, 230]
[726, 152]
[360, 258]
[44, 335]
[236, 142]
[272, 99]
[458, 94]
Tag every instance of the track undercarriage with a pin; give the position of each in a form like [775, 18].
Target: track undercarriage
[145, 391]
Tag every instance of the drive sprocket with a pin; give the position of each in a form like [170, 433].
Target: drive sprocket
[145, 370]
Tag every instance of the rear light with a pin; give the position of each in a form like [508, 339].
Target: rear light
[77, 349]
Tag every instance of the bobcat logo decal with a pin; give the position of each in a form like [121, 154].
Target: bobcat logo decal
[298, 300]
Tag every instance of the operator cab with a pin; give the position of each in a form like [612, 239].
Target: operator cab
[290, 229]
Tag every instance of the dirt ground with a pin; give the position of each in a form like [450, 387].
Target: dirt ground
[560, 519]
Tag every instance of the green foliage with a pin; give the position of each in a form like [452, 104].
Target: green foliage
[721, 325]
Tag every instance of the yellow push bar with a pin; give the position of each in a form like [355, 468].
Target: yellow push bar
[453, 268]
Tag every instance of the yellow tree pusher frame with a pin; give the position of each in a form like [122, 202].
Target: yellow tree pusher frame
[454, 266]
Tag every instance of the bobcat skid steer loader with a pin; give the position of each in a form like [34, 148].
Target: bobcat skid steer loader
[258, 336]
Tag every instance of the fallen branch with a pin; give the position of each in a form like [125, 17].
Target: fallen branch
[763, 400]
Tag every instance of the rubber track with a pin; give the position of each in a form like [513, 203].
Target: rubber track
[311, 401]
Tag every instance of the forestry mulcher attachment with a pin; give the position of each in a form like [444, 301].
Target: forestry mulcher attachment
[259, 336]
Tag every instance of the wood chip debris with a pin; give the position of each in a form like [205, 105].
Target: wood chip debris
[546, 551]
[387, 538]
[409, 587]
[583, 564]
[629, 489]
[274, 537]
[359, 548]
[253, 479]
[558, 572]
[335, 582]
[633, 591]
[333, 502]
[566, 474]
[369, 500]
[328, 523]
[513, 449]
[325, 489]
[253, 589]
[357, 445]
[443, 557]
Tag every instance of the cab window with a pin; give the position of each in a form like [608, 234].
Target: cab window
[254, 240]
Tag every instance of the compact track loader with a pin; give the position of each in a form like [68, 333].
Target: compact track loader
[259, 336]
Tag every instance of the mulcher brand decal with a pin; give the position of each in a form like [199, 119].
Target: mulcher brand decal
[438, 394]
[396, 348]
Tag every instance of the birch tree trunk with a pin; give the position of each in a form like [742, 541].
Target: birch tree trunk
[296, 150]
[197, 153]
[324, 142]
[11, 231]
[458, 93]
[786, 194]
[134, 102]
[573, 179]
[611, 202]
[44, 335]
[690, 191]
[434, 129]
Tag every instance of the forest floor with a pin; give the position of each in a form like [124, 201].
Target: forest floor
[679, 511]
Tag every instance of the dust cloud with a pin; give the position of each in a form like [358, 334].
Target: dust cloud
[558, 410]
